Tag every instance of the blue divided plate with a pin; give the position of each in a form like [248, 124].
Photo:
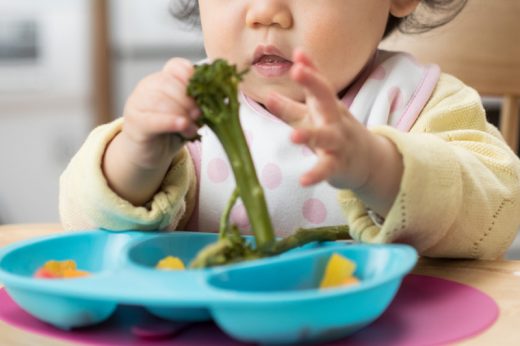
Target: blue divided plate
[273, 300]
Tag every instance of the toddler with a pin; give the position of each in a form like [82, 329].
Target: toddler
[340, 133]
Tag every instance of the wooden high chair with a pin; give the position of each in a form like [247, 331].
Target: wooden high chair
[482, 48]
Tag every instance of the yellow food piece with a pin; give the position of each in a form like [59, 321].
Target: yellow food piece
[338, 272]
[58, 267]
[170, 263]
[64, 269]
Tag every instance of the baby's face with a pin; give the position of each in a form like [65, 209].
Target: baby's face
[339, 35]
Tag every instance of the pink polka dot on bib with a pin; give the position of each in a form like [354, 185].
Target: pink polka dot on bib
[239, 217]
[218, 170]
[314, 211]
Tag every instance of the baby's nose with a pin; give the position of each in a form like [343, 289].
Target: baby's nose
[269, 13]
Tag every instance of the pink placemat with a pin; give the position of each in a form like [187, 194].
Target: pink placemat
[425, 311]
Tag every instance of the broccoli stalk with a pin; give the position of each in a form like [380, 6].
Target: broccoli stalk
[214, 87]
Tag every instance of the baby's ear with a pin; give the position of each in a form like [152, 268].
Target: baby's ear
[403, 8]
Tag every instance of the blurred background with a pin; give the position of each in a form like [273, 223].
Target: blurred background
[67, 66]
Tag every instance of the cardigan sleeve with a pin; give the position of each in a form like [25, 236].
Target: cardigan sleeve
[459, 195]
[86, 200]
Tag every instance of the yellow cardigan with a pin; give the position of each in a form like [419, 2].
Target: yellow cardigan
[459, 196]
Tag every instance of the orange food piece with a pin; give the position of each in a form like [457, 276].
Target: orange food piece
[74, 273]
[43, 273]
[352, 280]
[60, 270]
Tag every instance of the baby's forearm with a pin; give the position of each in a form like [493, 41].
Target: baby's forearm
[382, 187]
[133, 183]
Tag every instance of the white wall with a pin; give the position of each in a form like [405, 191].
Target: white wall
[34, 149]
[144, 36]
[45, 106]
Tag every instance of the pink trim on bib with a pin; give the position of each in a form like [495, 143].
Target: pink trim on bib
[420, 98]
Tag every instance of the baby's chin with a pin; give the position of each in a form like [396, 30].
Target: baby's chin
[261, 93]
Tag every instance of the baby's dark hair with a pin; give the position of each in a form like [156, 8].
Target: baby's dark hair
[430, 14]
[420, 21]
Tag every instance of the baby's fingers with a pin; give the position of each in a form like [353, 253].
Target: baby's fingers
[320, 94]
[316, 138]
[150, 124]
[161, 122]
[320, 172]
[325, 144]
[286, 108]
[180, 69]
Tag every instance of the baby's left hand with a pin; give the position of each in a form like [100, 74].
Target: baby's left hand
[345, 148]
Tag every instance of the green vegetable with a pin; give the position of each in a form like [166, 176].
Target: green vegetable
[214, 87]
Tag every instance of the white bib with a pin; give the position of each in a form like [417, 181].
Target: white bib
[387, 94]
[393, 91]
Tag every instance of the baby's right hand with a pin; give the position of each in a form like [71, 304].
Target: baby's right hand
[158, 114]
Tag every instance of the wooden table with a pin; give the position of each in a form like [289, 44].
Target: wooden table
[499, 279]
